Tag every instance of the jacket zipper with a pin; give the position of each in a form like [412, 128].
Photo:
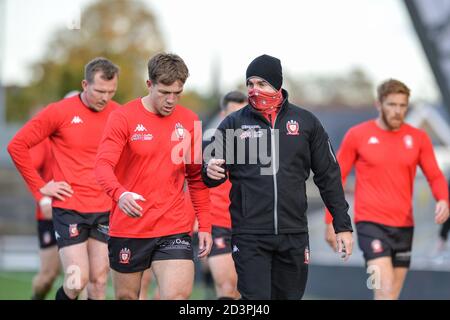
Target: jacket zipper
[275, 188]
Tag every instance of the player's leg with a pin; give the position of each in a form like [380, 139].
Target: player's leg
[98, 255]
[221, 264]
[382, 272]
[49, 260]
[98, 269]
[224, 275]
[401, 239]
[443, 236]
[145, 284]
[175, 278]
[374, 242]
[128, 259]
[49, 270]
[126, 285]
[75, 263]
[399, 280]
[72, 238]
[173, 267]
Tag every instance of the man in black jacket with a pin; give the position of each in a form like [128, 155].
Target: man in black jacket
[267, 149]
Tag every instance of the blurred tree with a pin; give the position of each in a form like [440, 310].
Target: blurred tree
[124, 31]
[354, 89]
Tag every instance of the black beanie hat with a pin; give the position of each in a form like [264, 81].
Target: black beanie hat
[268, 68]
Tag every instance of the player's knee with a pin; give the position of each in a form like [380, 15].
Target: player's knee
[227, 289]
[386, 292]
[178, 294]
[51, 275]
[99, 283]
[126, 295]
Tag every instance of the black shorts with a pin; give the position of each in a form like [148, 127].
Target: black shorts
[221, 241]
[271, 267]
[72, 227]
[46, 234]
[377, 240]
[128, 255]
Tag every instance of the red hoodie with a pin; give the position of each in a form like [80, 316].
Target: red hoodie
[386, 163]
[74, 131]
[136, 154]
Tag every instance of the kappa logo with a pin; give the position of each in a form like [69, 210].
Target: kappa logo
[76, 120]
[179, 131]
[73, 230]
[140, 128]
[235, 249]
[139, 134]
[373, 140]
[124, 256]
[292, 127]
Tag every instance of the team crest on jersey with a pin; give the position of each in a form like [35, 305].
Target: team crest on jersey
[124, 256]
[46, 237]
[307, 256]
[377, 246]
[292, 127]
[409, 142]
[73, 230]
[179, 131]
[220, 243]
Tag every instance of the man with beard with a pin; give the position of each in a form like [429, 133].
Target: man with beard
[386, 152]
[81, 208]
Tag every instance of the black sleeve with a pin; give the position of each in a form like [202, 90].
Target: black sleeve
[216, 149]
[327, 177]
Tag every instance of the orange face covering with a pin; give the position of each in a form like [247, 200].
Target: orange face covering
[265, 102]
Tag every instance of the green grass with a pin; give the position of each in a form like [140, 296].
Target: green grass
[17, 286]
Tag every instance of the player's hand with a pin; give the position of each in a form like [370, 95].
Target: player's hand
[127, 203]
[214, 169]
[204, 244]
[441, 212]
[45, 204]
[58, 190]
[345, 244]
[330, 236]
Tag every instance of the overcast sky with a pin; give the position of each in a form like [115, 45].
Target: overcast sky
[320, 36]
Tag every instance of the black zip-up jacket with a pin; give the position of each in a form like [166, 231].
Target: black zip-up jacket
[266, 203]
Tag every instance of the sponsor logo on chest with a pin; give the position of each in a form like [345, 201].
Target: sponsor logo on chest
[141, 134]
[251, 132]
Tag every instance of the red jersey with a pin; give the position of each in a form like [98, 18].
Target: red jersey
[75, 132]
[386, 163]
[220, 204]
[141, 152]
[41, 155]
